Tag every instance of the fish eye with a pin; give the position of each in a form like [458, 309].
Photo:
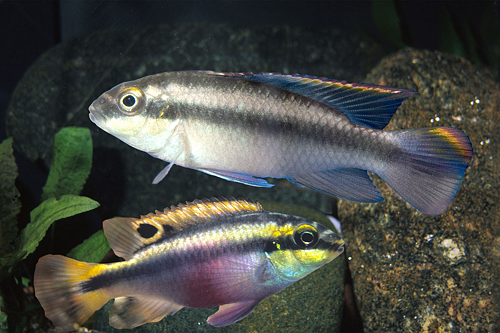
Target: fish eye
[305, 236]
[131, 101]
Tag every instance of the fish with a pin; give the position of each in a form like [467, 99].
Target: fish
[318, 133]
[221, 252]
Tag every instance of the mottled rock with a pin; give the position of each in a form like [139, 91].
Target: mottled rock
[312, 304]
[414, 272]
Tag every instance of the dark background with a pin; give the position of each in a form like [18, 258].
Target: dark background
[28, 28]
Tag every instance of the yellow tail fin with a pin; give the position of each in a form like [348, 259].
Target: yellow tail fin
[58, 287]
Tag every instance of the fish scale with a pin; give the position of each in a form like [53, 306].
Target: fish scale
[319, 133]
[203, 254]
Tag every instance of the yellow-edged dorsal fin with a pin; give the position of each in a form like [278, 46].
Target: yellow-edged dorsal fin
[127, 235]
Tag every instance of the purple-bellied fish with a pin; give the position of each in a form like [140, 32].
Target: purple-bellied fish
[229, 253]
[319, 133]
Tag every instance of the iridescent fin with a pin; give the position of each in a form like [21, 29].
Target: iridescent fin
[365, 104]
[238, 178]
[230, 313]
[430, 167]
[127, 235]
[130, 312]
[350, 184]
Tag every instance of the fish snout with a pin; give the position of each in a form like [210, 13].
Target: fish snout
[338, 247]
[99, 108]
[336, 241]
[95, 116]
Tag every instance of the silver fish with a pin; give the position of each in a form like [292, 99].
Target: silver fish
[319, 133]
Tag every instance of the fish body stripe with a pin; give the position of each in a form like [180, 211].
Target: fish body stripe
[200, 243]
[288, 126]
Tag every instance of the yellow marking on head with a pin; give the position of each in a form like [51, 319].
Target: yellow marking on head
[310, 256]
[133, 90]
[306, 226]
[163, 111]
[278, 232]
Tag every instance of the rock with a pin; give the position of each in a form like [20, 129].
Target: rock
[57, 90]
[414, 272]
[312, 304]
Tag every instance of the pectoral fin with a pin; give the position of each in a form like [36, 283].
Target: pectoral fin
[230, 313]
[163, 173]
[177, 152]
[130, 312]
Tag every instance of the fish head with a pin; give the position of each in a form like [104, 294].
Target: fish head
[304, 248]
[137, 112]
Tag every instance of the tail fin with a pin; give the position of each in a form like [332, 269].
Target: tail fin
[58, 287]
[430, 167]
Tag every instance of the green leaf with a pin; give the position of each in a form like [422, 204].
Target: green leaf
[93, 249]
[10, 205]
[71, 163]
[449, 40]
[46, 213]
[386, 20]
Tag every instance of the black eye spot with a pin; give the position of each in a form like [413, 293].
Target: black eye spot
[129, 100]
[147, 230]
[272, 246]
[305, 238]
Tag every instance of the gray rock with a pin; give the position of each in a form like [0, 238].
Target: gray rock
[420, 273]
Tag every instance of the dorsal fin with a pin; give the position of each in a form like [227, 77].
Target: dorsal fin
[367, 105]
[127, 235]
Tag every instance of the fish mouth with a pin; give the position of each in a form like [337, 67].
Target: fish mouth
[337, 243]
[338, 247]
[95, 116]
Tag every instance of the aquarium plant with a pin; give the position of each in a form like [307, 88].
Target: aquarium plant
[70, 168]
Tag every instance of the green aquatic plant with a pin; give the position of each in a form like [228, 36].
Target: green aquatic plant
[70, 168]
[71, 163]
[460, 32]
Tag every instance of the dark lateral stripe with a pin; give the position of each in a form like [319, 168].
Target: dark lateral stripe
[101, 281]
[289, 117]
[191, 256]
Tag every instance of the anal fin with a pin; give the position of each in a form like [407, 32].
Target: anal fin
[230, 313]
[347, 183]
[130, 312]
